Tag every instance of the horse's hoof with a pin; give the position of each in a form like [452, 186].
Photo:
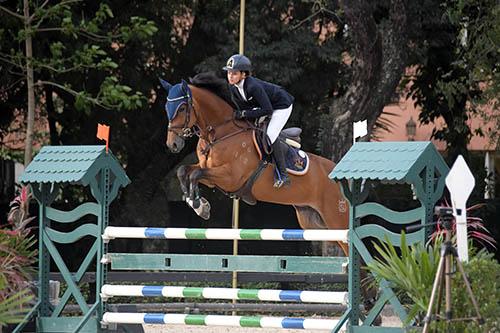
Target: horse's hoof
[204, 210]
[205, 214]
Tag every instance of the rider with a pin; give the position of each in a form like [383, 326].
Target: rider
[256, 98]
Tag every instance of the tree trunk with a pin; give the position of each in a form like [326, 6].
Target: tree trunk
[51, 116]
[378, 63]
[30, 120]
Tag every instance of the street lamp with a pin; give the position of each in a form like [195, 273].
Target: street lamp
[411, 129]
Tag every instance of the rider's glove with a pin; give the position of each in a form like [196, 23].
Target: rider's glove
[239, 114]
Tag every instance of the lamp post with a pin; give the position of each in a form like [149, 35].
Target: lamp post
[411, 129]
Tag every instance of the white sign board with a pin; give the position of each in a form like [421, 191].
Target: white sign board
[460, 182]
[360, 129]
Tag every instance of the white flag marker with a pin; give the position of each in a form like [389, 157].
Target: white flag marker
[360, 129]
[460, 182]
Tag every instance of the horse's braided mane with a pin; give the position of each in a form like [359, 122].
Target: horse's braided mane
[212, 82]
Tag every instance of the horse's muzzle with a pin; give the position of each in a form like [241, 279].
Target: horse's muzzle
[176, 145]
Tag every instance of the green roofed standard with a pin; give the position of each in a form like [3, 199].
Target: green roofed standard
[361, 170]
[72, 164]
[52, 168]
[392, 161]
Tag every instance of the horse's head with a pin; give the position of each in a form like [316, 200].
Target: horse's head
[181, 119]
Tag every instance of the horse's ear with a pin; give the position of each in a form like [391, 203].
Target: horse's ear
[165, 85]
[184, 85]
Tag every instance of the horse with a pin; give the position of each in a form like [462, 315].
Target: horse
[228, 158]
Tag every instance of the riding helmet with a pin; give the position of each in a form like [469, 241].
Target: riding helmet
[238, 62]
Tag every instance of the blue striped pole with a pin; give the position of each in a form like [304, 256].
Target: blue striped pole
[217, 320]
[226, 234]
[272, 295]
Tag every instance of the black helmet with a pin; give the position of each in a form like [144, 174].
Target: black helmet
[238, 62]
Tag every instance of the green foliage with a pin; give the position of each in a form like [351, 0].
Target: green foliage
[456, 58]
[409, 272]
[80, 40]
[17, 255]
[483, 273]
[13, 308]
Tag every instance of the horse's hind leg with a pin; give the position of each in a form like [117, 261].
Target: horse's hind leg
[309, 218]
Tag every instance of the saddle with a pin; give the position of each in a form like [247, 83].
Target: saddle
[290, 136]
[297, 161]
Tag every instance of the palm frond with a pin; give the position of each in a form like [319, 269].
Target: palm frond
[14, 308]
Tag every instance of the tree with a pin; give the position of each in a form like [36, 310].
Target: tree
[457, 69]
[77, 44]
[478, 22]
[377, 55]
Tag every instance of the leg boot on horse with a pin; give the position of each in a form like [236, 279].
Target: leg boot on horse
[279, 152]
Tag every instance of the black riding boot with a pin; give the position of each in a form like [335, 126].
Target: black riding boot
[279, 151]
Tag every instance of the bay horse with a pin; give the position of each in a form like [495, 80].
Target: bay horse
[228, 157]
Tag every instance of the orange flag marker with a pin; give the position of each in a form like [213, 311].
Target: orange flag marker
[103, 134]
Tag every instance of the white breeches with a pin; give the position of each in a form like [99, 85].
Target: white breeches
[277, 122]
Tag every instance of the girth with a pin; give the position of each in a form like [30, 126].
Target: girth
[245, 192]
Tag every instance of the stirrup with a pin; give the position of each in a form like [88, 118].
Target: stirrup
[280, 183]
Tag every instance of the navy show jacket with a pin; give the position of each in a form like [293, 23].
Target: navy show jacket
[262, 97]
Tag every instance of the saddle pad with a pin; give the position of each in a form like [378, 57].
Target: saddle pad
[297, 161]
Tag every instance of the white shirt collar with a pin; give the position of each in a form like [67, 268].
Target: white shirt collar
[239, 85]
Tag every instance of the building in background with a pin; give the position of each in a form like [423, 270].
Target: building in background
[406, 127]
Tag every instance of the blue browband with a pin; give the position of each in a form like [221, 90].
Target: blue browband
[178, 95]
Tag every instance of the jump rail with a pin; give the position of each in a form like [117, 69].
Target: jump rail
[226, 234]
[271, 295]
[216, 320]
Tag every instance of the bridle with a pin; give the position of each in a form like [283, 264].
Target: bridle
[185, 131]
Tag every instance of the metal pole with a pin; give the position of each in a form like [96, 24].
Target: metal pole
[236, 202]
[235, 220]
[242, 27]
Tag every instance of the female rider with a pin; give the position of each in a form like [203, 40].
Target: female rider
[256, 98]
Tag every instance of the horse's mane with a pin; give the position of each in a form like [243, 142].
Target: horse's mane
[218, 86]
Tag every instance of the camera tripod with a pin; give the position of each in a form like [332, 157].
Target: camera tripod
[448, 254]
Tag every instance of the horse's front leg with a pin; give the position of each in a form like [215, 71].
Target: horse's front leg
[190, 193]
[183, 176]
[208, 176]
[194, 189]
